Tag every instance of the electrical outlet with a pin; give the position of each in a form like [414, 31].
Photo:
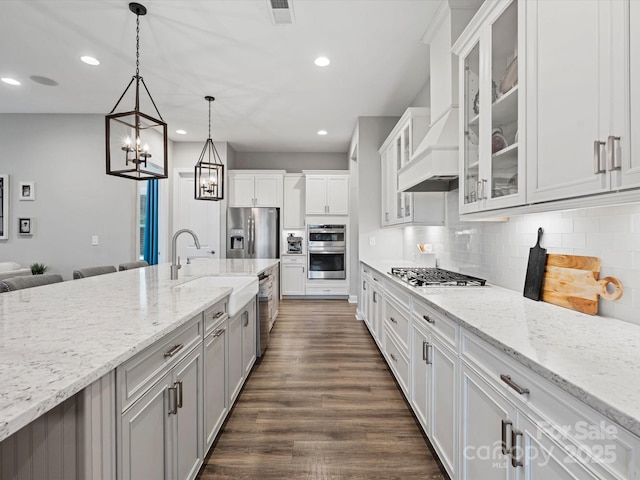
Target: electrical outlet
[372, 241]
[94, 240]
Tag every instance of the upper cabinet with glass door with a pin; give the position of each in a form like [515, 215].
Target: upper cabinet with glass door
[491, 134]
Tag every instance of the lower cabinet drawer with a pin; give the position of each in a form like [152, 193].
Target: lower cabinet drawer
[213, 316]
[326, 289]
[397, 319]
[397, 361]
[135, 376]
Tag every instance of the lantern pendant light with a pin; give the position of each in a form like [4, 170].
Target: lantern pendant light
[209, 175]
[136, 141]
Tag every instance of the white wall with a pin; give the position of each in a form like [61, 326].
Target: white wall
[499, 251]
[74, 199]
[291, 162]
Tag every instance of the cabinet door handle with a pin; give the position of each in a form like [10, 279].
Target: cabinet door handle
[597, 167]
[393, 357]
[429, 319]
[613, 160]
[507, 379]
[178, 386]
[393, 320]
[429, 359]
[217, 333]
[173, 394]
[375, 299]
[386, 216]
[245, 322]
[505, 450]
[424, 350]
[364, 285]
[173, 351]
[515, 461]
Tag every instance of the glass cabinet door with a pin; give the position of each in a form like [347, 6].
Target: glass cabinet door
[471, 112]
[503, 167]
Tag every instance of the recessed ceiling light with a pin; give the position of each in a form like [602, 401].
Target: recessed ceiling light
[90, 60]
[181, 132]
[322, 61]
[10, 81]
[322, 132]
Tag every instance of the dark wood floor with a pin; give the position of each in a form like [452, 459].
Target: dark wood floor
[320, 405]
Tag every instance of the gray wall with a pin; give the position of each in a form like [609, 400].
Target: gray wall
[291, 162]
[74, 199]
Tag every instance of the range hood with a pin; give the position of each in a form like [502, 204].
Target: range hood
[434, 163]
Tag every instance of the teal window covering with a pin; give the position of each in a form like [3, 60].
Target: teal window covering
[150, 251]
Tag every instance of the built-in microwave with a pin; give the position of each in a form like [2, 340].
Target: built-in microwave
[326, 251]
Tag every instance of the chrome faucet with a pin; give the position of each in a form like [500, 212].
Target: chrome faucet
[175, 259]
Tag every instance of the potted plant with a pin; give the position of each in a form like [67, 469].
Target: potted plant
[38, 268]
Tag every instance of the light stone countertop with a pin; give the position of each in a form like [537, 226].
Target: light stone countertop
[595, 359]
[57, 339]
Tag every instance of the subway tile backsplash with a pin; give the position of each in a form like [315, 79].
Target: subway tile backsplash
[498, 251]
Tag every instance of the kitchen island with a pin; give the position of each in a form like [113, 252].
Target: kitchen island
[59, 339]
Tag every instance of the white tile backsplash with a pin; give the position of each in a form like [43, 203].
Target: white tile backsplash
[498, 251]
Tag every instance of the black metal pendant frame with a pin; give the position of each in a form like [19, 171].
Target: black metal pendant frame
[209, 171]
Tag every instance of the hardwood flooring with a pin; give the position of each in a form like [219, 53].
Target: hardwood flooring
[320, 405]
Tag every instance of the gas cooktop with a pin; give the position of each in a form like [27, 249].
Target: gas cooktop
[432, 277]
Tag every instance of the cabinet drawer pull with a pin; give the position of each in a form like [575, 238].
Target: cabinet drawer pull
[429, 319]
[393, 320]
[515, 461]
[178, 386]
[217, 315]
[597, 167]
[507, 379]
[611, 153]
[393, 357]
[217, 333]
[173, 394]
[505, 450]
[173, 351]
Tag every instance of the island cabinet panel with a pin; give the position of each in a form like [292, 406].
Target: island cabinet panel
[216, 401]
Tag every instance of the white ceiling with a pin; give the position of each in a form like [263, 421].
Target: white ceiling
[269, 94]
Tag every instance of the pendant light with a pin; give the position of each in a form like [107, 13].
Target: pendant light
[136, 141]
[209, 176]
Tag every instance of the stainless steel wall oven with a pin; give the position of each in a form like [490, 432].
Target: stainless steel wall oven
[326, 249]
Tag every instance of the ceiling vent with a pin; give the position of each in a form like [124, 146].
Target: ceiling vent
[281, 12]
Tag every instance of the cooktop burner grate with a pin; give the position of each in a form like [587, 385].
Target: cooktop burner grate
[425, 277]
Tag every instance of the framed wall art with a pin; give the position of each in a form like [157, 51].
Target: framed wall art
[4, 207]
[25, 226]
[27, 191]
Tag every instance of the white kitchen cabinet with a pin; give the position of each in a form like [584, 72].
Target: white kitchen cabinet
[235, 357]
[434, 376]
[216, 400]
[582, 101]
[293, 274]
[377, 309]
[364, 299]
[294, 197]
[491, 89]
[327, 193]
[254, 188]
[406, 208]
[165, 424]
[249, 345]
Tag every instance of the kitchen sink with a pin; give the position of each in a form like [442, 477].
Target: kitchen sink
[244, 289]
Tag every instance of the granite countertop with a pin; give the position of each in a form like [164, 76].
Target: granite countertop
[57, 339]
[596, 359]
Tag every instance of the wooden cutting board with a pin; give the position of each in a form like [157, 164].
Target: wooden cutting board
[571, 281]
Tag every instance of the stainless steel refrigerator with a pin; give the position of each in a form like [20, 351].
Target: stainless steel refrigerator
[253, 232]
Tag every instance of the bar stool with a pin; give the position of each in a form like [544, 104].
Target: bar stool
[28, 281]
[93, 271]
[132, 265]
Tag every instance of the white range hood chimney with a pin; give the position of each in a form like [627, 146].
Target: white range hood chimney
[434, 163]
